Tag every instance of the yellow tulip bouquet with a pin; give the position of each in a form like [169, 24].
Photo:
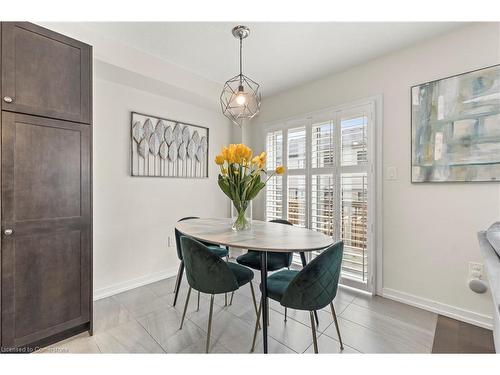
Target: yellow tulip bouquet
[241, 178]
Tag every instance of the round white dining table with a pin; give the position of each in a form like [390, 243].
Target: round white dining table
[262, 236]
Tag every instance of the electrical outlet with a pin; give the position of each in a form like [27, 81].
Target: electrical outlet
[170, 243]
[475, 270]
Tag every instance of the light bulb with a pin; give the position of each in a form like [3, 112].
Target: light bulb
[241, 98]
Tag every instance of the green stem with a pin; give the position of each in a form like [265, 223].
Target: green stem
[241, 222]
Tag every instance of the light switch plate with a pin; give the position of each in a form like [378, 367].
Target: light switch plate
[475, 270]
[392, 173]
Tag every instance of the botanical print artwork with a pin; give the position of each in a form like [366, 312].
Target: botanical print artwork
[167, 148]
[456, 128]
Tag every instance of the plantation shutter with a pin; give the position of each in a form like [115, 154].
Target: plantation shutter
[354, 195]
[296, 170]
[274, 187]
[328, 185]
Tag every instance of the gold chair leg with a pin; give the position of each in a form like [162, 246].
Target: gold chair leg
[198, 306]
[313, 328]
[256, 325]
[255, 304]
[336, 325]
[209, 330]
[185, 307]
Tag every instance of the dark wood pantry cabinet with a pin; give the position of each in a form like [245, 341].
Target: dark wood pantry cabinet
[46, 187]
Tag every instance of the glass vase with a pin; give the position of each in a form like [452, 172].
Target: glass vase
[241, 216]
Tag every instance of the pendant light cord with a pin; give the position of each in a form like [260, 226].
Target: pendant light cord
[241, 69]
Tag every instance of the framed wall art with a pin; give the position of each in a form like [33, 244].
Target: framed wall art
[167, 148]
[455, 128]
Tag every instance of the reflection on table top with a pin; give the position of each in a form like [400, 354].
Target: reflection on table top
[262, 235]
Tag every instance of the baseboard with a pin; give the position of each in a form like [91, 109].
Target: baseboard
[463, 315]
[134, 283]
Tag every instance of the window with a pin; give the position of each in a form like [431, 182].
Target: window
[274, 187]
[297, 148]
[354, 190]
[297, 200]
[322, 153]
[327, 183]
[354, 222]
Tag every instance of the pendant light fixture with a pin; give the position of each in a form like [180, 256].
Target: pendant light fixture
[240, 98]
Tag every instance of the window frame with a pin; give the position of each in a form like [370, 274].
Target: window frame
[373, 169]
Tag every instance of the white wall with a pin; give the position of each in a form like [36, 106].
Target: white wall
[134, 216]
[429, 233]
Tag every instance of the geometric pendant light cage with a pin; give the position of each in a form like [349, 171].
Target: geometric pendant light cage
[240, 98]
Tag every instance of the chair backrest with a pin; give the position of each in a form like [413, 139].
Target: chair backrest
[178, 237]
[205, 271]
[315, 286]
[288, 256]
[280, 221]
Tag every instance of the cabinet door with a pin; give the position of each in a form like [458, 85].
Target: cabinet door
[46, 226]
[45, 73]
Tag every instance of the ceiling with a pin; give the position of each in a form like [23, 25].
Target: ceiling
[277, 55]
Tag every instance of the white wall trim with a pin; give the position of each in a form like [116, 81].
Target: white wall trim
[378, 253]
[463, 315]
[134, 283]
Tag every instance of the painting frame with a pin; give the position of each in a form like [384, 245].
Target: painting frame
[468, 167]
[205, 174]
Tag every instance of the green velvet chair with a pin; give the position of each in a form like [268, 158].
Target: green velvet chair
[275, 260]
[310, 289]
[208, 273]
[217, 250]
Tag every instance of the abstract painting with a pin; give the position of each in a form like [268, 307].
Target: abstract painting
[455, 128]
[168, 148]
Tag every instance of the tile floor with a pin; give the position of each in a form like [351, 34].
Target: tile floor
[143, 320]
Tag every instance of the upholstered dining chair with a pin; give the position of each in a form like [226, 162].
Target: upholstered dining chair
[217, 250]
[275, 260]
[208, 273]
[310, 289]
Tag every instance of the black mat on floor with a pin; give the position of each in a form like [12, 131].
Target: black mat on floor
[453, 336]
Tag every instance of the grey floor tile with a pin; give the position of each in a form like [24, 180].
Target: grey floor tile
[327, 345]
[273, 346]
[406, 313]
[163, 287]
[368, 341]
[405, 331]
[142, 301]
[204, 300]
[130, 337]
[164, 325]
[301, 316]
[199, 347]
[143, 321]
[291, 333]
[109, 313]
[347, 295]
[82, 343]
[242, 307]
[233, 332]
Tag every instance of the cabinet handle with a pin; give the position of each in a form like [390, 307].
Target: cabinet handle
[8, 232]
[8, 99]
